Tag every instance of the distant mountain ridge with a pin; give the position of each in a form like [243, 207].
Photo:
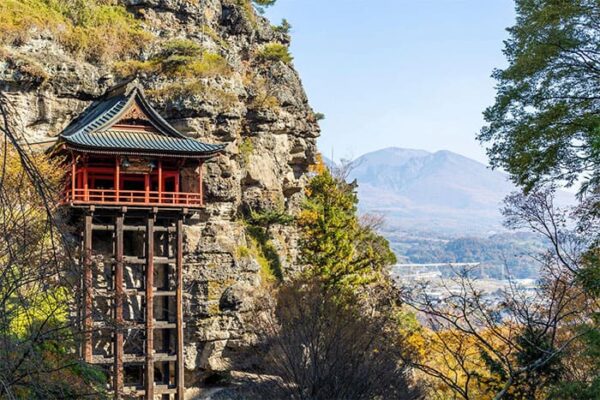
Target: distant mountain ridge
[423, 191]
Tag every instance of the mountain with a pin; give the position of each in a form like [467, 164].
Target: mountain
[440, 192]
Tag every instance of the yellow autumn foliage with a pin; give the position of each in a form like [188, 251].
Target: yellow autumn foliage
[27, 245]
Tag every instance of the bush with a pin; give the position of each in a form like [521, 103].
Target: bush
[246, 149]
[284, 27]
[31, 70]
[275, 52]
[178, 58]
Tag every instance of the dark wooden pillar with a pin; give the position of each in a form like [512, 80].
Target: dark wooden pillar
[87, 288]
[179, 306]
[149, 378]
[119, 294]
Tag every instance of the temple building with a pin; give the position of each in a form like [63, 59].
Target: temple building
[132, 180]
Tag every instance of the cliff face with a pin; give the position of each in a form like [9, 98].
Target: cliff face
[239, 93]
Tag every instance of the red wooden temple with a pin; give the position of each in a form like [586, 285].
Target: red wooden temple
[132, 180]
[122, 152]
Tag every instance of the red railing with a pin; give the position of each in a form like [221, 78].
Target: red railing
[132, 197]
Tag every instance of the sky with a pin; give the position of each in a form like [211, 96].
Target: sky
[403, 73]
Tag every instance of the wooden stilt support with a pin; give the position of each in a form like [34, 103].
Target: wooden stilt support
[118, 287]
[87, 288]
[149, 378]
[179, 306]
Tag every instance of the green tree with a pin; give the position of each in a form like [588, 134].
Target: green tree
[334, 243]
[587, 358]
[545, 123]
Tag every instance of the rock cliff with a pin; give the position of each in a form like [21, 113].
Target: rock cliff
[219, 72]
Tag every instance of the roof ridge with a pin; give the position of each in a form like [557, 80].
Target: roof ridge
[91, 130]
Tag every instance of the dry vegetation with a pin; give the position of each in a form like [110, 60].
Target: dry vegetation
[96, 30]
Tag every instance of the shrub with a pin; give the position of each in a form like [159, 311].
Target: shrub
[246, 149]
[264, 252]
[211, 33]
[284, 27]
[275, 52]
[270, 217]
[261, 246]
[178, 58]
[27, 66]
[260, 93]
[243, 252]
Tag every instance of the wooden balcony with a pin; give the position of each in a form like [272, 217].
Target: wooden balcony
[132, 198]
[133, 181]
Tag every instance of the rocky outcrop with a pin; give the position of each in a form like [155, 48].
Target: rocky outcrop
[258, 107]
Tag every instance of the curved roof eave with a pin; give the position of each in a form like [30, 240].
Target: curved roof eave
[84, 132]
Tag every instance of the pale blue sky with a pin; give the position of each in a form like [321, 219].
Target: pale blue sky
[405, 73]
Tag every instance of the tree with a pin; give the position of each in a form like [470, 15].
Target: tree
[512, 347]
[38, 336]
[545, 123]
[334, 243]
[325, 344]
[336, 330]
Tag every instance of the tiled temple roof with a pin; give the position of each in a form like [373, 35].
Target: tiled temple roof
[100, 129]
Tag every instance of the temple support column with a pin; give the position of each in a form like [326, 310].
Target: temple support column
[179, 369]
[119, 293]
[149, 381]
[87, 289]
